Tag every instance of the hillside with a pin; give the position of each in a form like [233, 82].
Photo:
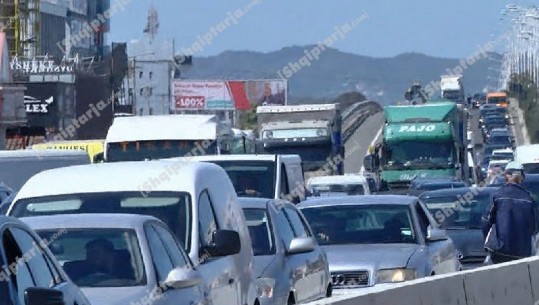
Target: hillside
[336, 72]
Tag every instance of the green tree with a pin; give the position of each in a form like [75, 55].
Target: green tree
[524, 89]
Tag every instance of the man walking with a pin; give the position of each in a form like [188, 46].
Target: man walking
[510, 222]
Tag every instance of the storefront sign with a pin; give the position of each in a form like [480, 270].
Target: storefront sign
[41, 66]
[34, 105]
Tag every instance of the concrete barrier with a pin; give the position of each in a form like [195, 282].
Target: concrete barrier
[504, 284]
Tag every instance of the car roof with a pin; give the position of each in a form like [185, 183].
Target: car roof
[456, 191]
[256, 202]
[118, 176]
[358, 200]
[86, 221]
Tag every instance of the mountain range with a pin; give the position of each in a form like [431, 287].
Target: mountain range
[320, 80]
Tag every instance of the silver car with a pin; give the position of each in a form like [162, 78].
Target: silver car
[34, 276]
[120, 259]
[289, 265]
[379, 239]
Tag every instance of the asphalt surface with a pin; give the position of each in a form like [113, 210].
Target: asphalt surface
[357, 146]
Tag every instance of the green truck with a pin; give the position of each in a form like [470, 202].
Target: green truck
[424, 140]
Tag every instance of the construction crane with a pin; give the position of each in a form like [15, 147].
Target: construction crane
[21, 21]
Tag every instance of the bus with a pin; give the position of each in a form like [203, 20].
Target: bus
[94, 148]
[498, 98]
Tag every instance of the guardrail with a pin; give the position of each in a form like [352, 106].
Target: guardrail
[509, 283]
[355, 115]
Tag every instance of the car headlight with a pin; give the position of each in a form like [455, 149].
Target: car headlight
[395, 275]
[265, 287]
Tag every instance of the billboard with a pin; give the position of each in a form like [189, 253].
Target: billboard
[227, 95]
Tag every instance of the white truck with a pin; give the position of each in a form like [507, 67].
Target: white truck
[138, 138]
[452, 89]
[311, 131]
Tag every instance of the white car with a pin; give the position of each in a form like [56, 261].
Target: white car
[120, 259]
[339, 185]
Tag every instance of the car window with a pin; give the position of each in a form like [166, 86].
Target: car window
[178, 257]
[285, 228]
[284, 181]
[160, 258]
[39, 267]
[19, 270]
[207, 223]
[299, 227]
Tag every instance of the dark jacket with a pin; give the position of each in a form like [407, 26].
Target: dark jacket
[513, 212]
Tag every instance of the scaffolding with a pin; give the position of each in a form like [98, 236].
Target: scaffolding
[21, 21]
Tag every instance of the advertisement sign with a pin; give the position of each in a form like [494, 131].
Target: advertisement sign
[210, 95]
[227, 95]
[40, 65]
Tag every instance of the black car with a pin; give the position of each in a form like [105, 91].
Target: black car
[420, 185]
[459, 211]
[531, 183]
[500, 140]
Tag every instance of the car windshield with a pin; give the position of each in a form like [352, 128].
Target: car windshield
[361, 224]
[531, 168]
[98, 257]
[453, 212]
[260, 231]
[496, 100]
[348, 188]
[500, 140]
[251, 178]
[419, 154]
[158, 149]
[173, 208]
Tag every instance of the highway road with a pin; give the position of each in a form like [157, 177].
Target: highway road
[358, 144]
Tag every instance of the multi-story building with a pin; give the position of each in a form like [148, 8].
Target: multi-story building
[54, 45]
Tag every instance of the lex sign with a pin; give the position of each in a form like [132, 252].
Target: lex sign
[33, 105]
[417, 128]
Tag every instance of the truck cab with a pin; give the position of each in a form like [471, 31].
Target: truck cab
[310, 131]
[420, 141]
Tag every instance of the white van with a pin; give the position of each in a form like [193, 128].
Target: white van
[196, 200]
[528, 156]
[350, 184]
[264, 176]
[139, 138]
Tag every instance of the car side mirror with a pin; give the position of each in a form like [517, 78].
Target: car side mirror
[368, 163]
[435, 234]
[224, 243]
[179, 278]
[99, 158]
[43, 296]
[301, 245]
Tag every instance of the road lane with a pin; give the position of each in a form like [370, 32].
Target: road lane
[357, 146]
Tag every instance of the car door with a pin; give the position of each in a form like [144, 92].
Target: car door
[31, 266]
[310, 264]
[166, 255]
[219, 273]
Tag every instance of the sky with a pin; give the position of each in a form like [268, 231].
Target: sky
[385, 28]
